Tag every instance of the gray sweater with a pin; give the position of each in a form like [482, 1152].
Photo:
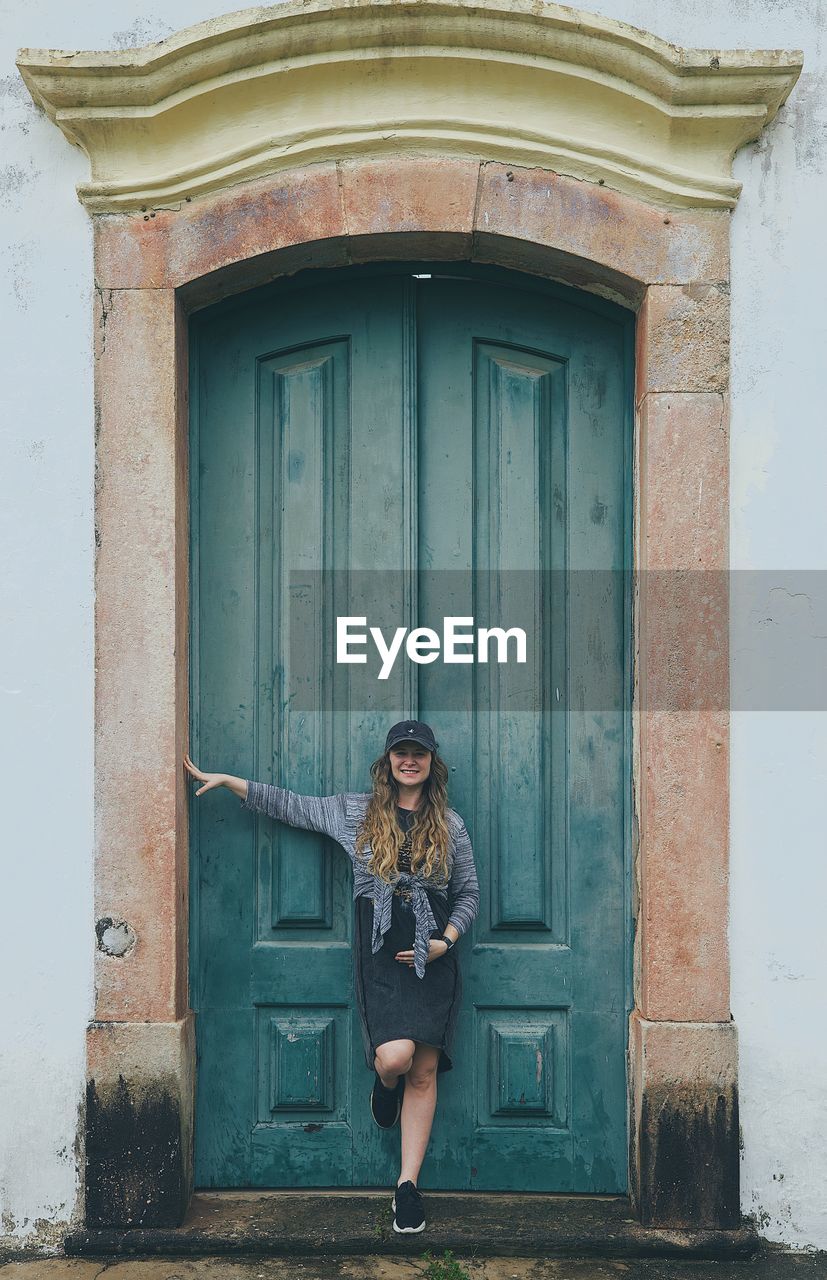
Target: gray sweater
[339, 816]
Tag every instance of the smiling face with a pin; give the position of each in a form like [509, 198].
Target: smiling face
[410, 763]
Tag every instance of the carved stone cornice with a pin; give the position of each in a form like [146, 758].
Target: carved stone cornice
[527, 83]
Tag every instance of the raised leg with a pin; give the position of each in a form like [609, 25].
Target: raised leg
[418, 1106]
[393, 1059]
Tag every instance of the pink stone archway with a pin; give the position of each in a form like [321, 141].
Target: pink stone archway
[151, 270]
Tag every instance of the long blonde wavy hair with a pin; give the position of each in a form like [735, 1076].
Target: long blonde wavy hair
[430, 837]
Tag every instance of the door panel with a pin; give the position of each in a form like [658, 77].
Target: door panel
[537, 451]
[470, 441]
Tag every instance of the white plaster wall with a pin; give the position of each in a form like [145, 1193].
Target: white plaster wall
[778, 550]
[779, 760]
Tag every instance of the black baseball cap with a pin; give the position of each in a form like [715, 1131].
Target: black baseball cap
[411, 731]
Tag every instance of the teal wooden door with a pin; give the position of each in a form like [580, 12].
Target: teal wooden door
[458, 447]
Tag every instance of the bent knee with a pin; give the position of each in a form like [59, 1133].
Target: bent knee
[395, 1057]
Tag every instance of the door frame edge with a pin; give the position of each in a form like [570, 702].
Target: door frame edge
[149, 284]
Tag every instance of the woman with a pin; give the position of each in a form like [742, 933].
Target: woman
[415, 891]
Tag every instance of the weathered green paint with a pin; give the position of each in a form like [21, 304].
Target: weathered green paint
[477, 428]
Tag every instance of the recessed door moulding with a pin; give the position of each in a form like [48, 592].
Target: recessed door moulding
[265, 89]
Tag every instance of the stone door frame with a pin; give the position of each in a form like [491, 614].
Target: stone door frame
[644, 222]
[150, 274]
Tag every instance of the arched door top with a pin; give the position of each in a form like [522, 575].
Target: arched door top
[263, 90]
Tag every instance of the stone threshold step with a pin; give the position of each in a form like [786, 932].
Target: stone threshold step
[359, 1222]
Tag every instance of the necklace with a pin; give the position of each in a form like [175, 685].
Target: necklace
[404, 864]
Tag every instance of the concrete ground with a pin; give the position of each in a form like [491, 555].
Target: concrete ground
[770, 1265]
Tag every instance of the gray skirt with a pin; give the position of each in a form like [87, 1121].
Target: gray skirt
[393, 1003]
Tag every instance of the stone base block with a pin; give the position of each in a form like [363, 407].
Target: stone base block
[684, 1124]
[140, 1094]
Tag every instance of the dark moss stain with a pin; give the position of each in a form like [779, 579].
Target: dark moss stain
[135, 1172]
[689, 1158]
[598, 512]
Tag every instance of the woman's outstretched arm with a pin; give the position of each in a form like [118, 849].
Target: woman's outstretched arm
[314, 813]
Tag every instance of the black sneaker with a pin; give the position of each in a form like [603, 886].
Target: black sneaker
[385, 1104]
[409, 1214]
